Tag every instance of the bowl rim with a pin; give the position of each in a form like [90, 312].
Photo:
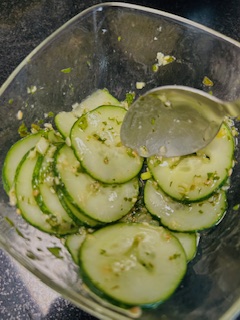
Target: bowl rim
[105, 312]
[100, 7]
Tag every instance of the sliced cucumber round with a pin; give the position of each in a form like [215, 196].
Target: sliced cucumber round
[189, 241]
[44, 190]
[184, 217]
[73, 244]
[75, 213]
[64, 122]
[14, 157]
[95, 138]
[96, 99]
[197, 176]
[102, 202]
[51, 223]
[132, 264]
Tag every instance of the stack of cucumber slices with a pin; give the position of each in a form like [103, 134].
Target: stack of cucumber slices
[131, 224]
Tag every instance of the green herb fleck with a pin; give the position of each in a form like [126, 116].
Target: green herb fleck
[67, 70]
[212, 176]
[83, 123]
[175, 256]
[155, 67]
[148, 265]
[23, 130]
[50, 114]
[35, 127]
[53, 221]
[128, 199]
[56, 251]
[130, 152]
[169, 59]
[115, 120]
[207, 82]
[130, 96]
[236, 207]
[40, 122]
[10, 101]
[103, 251]
[156, 161]
[96, 136]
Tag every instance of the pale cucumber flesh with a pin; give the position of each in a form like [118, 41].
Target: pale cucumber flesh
[14, 157]
[51, 223]
[105, 203]
[195, 177]
[95, 138]
[184, 217]
[138, 264]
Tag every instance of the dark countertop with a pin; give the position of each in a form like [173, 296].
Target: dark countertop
[23, 25]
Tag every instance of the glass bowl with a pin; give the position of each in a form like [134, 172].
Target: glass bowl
[114, 46]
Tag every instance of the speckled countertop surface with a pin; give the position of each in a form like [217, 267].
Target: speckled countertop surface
[23, 25]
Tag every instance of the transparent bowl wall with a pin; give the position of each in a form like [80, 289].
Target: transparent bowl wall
[114, 46]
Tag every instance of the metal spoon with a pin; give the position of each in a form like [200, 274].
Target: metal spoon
[174, 121]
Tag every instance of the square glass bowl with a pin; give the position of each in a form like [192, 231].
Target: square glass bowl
[114, 46]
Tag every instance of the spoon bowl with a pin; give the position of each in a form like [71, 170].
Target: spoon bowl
[174, 121]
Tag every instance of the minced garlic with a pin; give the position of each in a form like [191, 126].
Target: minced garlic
[31, 89]
[163, 60]
[140, 85]
[19, 115]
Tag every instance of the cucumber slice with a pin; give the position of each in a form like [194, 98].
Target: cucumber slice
[98, 98]
[64, 122]
[20, 148]
[44, 190]
[132, 264]
[105, 203]
[14, 157]
[75, 213]
[195, 177]
[50, 223]
[95, 138]
[73, 244]
[189, 241]
[184, 217]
